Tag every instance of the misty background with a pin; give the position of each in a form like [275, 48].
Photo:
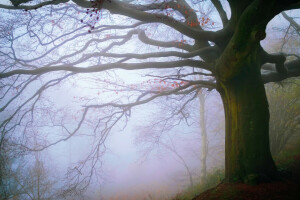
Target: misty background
[150, 153]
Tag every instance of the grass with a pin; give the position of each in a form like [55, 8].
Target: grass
[288, 154]
[213, 179]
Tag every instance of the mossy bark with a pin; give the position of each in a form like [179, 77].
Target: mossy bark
[247, 149]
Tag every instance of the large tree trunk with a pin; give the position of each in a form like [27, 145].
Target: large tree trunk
[247, 149]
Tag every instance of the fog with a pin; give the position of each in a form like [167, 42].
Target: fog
[151, 150]
[129, 170]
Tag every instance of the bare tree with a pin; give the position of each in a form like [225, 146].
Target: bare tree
[59, 43]
[284, 108]
[160, 131]
[204, 141]
[172, 148]
[291, 32]
[24, 176]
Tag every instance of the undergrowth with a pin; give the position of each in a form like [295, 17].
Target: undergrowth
[213, 179]
[283, 161]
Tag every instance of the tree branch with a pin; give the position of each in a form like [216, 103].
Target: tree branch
[163, 54]
[33, 7]
[221, 11]
[104, 67]
[294, 24]
[293, 70]
[121, 8]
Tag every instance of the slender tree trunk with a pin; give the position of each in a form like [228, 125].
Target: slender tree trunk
[247, 149]
[204, 149]
[172, 148]
[38, 189]
[189, 174]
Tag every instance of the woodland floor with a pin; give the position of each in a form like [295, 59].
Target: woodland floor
[288, 188]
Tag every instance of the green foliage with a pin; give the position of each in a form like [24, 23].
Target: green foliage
[286, 157]
[213, 179]
[284, 104]
[283, 161]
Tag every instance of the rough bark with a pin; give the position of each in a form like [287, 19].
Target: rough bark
[247, 149]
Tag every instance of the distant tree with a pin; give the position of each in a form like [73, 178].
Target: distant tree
[24, 176]
[285, 114]
[203, 132]
[158, 139]
[51, 48]
[172, 148]
[11, 168]
[292, 32]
